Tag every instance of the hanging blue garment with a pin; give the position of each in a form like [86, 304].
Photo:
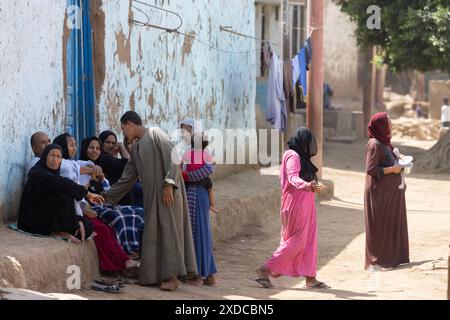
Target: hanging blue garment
[303, 67]
[308, 52]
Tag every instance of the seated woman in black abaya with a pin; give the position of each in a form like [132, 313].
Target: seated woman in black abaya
[47, 203]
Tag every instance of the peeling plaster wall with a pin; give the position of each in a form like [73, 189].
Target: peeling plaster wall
[340, 53]
[31, 87]
[162, 76]
[167, 77]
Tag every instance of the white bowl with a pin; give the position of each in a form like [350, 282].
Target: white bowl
[405, 161]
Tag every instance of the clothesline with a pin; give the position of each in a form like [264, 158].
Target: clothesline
[222, 28]
[310, 28]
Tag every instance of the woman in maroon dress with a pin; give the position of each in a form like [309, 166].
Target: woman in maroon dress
[384, 202]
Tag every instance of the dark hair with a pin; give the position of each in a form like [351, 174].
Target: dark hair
[85, 145]
[131, 116]
[446, 100]
[32, 138]
[105, 134]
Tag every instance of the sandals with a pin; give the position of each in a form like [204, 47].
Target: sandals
[265, 283]
[374, 268]
[318, 285]
[263, 279]
[109, 287]
[119, 282]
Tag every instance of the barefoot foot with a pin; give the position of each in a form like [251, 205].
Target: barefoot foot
[169, 285]
[210, 281]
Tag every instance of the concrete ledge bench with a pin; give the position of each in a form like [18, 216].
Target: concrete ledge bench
[42, 264]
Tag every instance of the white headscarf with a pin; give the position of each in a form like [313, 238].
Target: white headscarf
[189, 122]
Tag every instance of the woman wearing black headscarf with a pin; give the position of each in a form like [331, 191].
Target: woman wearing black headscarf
[68, 145]
[127, 221]
[111, 146]
[111, 165]
[90, 151]
[297, 254]
[47, 203]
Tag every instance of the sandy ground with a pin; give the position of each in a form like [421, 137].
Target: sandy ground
[341, 244]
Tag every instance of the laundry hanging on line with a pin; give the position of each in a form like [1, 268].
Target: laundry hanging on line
[286, 80]
[276, 112]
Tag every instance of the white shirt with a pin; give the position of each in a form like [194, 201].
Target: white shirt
[445, 113]
[71, 169]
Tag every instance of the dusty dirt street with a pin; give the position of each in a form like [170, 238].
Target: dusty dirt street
[341, 243]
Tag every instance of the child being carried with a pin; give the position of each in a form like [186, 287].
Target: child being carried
[196, 158]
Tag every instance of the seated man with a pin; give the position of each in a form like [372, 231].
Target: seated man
[38, 141]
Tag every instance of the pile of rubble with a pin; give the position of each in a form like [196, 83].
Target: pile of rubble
[405, 121]
[416, 128]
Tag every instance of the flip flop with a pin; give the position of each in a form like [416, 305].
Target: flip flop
[261, 275]
[118, 282]
[319, 285]
[374, 268]
[263, 280]
[112, 288]
[265, 283]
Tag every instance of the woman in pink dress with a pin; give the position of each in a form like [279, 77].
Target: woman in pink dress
[297, 254]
